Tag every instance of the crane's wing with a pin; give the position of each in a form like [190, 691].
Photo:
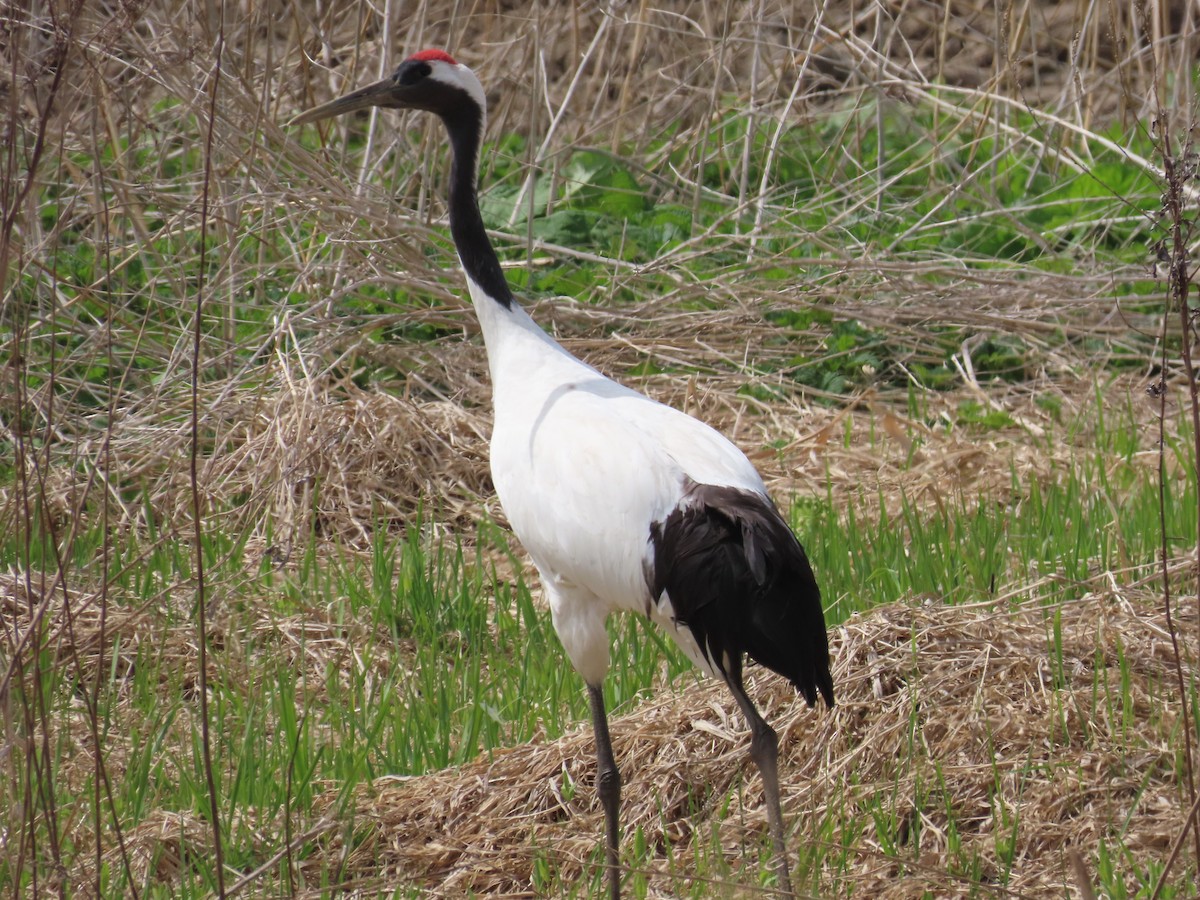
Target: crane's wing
[738, 578]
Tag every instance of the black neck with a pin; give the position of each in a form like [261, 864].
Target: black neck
[475, 251]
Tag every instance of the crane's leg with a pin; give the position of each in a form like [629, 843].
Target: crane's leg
[608, 786]
[764, 750]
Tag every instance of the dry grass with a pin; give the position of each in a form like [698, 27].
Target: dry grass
[969, 714]
[971, 720]
[133, 93]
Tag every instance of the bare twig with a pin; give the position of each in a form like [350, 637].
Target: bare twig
[1179, 171]
[214, 809]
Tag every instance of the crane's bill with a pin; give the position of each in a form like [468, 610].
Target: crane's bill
[363, 98]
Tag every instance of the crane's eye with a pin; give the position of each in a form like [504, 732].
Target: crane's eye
[412, 71]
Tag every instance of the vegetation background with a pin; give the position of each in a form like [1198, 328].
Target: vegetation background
[262, 629]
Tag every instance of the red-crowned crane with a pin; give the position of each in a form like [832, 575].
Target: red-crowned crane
[622, 503]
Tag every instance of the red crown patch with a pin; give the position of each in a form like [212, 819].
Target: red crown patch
[431, 55]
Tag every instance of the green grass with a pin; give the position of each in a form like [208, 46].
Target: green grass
[437, 659]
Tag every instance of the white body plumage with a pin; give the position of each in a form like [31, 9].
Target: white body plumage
[583, 466]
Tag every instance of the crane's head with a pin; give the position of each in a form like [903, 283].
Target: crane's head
[430, 80]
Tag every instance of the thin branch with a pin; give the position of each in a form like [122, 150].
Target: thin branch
[194, 465]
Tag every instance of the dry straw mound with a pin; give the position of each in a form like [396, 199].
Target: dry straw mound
[956, 729]
[977, 719]
[346, 466]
